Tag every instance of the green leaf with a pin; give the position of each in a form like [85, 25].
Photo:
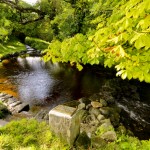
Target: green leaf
[124, 75]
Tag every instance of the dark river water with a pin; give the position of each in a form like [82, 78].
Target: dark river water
[48, 85]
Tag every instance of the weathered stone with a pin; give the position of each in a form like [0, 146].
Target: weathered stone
[94, 122]
[21, 107]
[106, 126]
[100, 117]
[105, 121]
[10, 101]
[6, 96]
[90, 130]
[96, 104]
[14, 104]
[81, 106]
[88, 106]
[84, 100]
[3, 111]
[42, 114]
[90, 118]
[122, 129]
[3, 123]
[2, 94]
[103, 102]
[94, 111]
[97, 142]
[109, 136]
[65, 121]
[115, 118]
[105, 111]
[83, 141]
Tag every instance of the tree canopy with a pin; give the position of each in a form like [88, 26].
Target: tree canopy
[113, 33]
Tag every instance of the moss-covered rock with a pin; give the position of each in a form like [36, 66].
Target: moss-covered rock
[3, 111]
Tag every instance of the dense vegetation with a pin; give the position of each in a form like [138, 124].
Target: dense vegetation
[29, 134]
[33, 135]
[114, 33]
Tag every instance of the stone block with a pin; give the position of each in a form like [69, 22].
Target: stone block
[65, 121]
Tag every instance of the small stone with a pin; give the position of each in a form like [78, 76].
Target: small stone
[15, 104]
[100, 117]
[109, 136]
[3, 111]
[2, 94]
[105, 111]
[106, 121]
[96, 104]
[88, 106]
[94, 97]
[81, 106]
[103, 102]
[3, 123]
[98, 142]
[94, 111]
[83, 141]
[84, 100]
[115, 118]
[21, 107]
[107, 126]
[94, 122]
[90, 118]
[122, 129]
[10, 101]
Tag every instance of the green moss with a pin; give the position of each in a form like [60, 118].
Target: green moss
[125, 142]
[3, 111]
[29, 134]
[33, 135]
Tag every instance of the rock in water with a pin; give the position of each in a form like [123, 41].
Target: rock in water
[96, 104]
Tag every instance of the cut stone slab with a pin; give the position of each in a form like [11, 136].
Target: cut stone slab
[65, 121]
[21, 107]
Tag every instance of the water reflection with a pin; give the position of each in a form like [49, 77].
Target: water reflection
[40, 83]
[47, 84]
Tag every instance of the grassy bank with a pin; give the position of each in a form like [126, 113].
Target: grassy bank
[29, 135]
[32, 135]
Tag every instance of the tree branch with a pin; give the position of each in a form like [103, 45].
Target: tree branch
[21, 9]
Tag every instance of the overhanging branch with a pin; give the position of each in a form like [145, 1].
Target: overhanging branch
[21, 9]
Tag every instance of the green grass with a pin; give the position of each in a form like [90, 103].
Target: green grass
[11, 47]
[29, 135]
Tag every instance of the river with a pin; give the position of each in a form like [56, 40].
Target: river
[47, 85]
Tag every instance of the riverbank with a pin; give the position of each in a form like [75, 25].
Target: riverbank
[101, 126]
[32, 134]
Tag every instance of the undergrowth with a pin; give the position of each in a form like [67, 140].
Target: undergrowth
[33, 135]
[29, 135]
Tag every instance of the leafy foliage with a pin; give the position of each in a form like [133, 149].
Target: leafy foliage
[114, 33]
[120, 40]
